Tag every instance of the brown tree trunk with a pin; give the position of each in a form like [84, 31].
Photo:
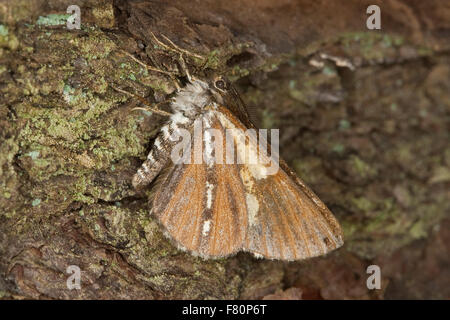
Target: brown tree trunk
[363, 116]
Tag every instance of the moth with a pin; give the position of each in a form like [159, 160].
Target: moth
[216, 209]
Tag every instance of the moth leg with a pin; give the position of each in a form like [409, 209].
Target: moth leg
[145, 102]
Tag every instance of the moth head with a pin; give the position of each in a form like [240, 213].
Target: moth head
[223, 93]
[221, 84]
[219, 87]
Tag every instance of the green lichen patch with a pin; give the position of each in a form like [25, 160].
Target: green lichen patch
[8, 39]
[52, 20]
[36, 202]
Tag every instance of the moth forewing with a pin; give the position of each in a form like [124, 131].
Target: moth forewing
[214, 144]
[181, 152]
[284, 222]
[200, 205]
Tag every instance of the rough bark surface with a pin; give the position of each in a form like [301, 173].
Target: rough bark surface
[363, 116]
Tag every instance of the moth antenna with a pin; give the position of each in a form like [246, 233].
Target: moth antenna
[170, 74]
[148, 104]
[174, 48]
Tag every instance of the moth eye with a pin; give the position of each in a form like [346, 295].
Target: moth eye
[220, 84]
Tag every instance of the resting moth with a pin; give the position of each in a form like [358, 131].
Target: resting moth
[216, 209]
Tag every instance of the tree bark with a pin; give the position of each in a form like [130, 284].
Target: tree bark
[363, 117]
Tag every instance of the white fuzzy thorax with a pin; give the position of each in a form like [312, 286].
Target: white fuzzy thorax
[193, 96]
[178, 118]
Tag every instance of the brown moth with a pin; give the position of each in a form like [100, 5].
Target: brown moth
[215, 209]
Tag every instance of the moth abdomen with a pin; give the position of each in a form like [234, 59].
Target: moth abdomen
[160, 153]
[152, 166]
